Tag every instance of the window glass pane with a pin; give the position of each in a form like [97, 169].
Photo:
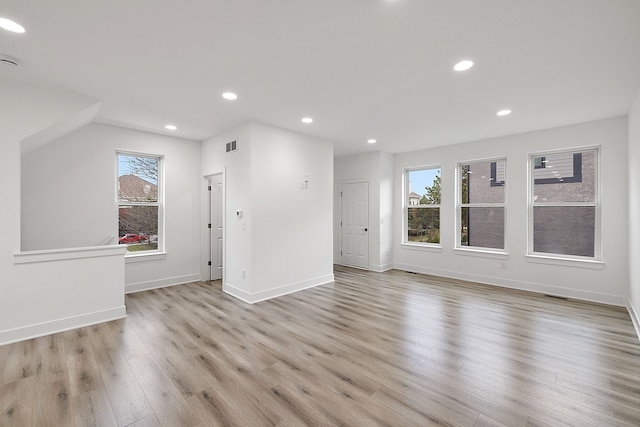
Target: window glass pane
[565, 177]
[423, 225]
[482, 227]
[565, 230]
[137, 178]
[483, 182]
[424, 187]
[138, 227]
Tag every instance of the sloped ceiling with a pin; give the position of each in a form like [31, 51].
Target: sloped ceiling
[361, 68]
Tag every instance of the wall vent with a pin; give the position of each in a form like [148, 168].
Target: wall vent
[232, 146]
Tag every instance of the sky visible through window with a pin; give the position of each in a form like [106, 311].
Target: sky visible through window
[125, 169]
[419, 179]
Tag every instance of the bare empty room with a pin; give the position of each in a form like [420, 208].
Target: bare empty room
[347, 212]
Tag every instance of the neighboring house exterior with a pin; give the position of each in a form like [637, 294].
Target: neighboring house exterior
[132, 188]
[135, 218]
[565, 178]
[414, 199]
[558, 178]
[486, 184]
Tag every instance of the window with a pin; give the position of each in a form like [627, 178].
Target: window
[481, 204]
[422, 201]
[139, 201]
[564, 204]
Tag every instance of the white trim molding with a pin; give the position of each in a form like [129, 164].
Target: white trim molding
[565, 262]
[381, 268]
[61, 325]
[635, 318]
[161, 283]
[252, 298]
[609, 299]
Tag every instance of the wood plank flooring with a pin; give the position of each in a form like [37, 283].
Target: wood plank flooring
[387, 349]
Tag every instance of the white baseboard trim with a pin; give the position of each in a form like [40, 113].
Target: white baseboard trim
[275, 292]
[634, 318]
[620, 301]
[161, 283]
[382, 268]
[61, 325]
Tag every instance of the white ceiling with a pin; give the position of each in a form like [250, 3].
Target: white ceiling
[361, 68]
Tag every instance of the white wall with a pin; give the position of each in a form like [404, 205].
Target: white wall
[68, 199]
[40, 297]
[283, 241]
[634, 211]
[292, 226]
[236, 167]
[609, 284]
[387, 212]
[376, 168]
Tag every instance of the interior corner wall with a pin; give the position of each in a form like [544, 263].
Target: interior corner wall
[607, 285]
[69, 199]
[236, 167]
[376, 168]
[292, 202]
[634, 211]
[282, 241]
[386, 212]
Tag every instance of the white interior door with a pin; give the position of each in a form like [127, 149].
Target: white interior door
[355, 224]
[216, 221]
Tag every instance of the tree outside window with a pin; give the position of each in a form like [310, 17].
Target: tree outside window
[423, 197]
[138, 201]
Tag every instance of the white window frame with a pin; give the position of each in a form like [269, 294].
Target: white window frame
[562, 259]
[160, 250]
[480, 250]
[406, 206]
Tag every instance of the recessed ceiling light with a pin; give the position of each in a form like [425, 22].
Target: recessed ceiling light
[230, 96]
[503, 112]
[10, 25]
[307, 120]
[371, 141]
[171, 127]
[463, 65]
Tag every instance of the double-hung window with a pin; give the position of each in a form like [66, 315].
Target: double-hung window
[564, 204]
[139, 198]
[481, 204]
[422, 206]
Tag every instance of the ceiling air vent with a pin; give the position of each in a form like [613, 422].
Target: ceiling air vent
[232, 146]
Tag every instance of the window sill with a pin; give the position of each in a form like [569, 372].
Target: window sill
[566, 262]
[483, 253]
[422, 247]
[155, 256]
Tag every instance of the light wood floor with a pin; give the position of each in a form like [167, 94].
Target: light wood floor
[372, 349]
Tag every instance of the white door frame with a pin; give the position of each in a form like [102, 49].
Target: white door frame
[206, 232]
[356, 181]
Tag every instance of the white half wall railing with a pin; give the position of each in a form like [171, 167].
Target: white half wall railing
[62, 289]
